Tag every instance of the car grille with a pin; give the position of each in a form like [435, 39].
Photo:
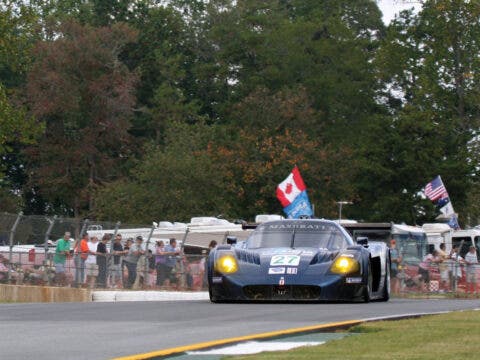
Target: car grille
[278, 292]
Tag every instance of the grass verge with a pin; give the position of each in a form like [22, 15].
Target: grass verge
[437, 337]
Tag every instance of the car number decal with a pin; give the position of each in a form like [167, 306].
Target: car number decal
[282, 260]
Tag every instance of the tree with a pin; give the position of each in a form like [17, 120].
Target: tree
[172, 182]
[272, 139]
[84, 93]
[16, 128]
[162, 60]
[428, 64]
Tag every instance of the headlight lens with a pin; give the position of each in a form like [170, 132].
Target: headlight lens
[226, 264]
[345, 265]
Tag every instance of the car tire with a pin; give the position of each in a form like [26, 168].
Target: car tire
[386, 284]
[213, 298]
[367, 290]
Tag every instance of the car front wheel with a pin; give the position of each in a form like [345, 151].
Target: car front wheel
[367, 291]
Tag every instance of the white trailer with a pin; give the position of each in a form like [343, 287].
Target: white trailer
[438, 233]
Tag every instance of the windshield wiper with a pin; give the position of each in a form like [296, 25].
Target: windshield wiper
[292, 242]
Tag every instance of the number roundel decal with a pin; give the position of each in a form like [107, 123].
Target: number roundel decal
[285, 260]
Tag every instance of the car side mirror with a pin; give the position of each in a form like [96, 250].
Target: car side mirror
[231, 240]
[362, 241]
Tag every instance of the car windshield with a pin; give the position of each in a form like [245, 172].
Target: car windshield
[329, 238]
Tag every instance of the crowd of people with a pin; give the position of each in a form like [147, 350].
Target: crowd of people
[447, 267]
[128, 264]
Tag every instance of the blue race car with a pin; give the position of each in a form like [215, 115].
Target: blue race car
[299, 260]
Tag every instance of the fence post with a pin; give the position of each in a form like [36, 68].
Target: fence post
[49, 231]
[184, 239]
[45, 245]
[147, 262]
[115, 231]
[110, 258]
[182, 267]
[10, 254]
[84, 228]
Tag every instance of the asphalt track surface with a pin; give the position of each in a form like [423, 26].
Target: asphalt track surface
[107, 330]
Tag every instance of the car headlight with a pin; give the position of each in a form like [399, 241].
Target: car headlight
[345, 265]
[226, 264]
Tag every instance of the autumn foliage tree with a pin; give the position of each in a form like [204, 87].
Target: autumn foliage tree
[85, 95]
[273, 139]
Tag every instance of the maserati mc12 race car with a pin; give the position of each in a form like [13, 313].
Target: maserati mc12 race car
[299, 260]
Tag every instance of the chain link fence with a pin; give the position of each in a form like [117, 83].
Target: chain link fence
[454, 277]
[28, 243]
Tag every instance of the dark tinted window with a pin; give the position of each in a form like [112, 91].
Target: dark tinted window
[323, 236]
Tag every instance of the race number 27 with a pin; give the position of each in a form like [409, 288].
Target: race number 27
[285, 260]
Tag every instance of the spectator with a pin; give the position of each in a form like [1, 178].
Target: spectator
[126, 248]
[131, 260]
[203, 268]
[396, 260]
[80, 249]
[424, 268]
[145, 271]
[472, 262]
[151, 268]
[3, 268]
[61, 252]
[188, 271]
[91, 262]
[172, 252]
[116, 266]
[15, 270]
[443, 268]
[456, 269]
[102, 261]
[141, 273]
[160, 262]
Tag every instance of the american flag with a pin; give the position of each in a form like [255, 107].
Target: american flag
[435, 189]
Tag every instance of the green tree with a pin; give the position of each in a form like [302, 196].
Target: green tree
[428, 64]
[162, 59]
[16, 128]
[18, 25]
[172, 182]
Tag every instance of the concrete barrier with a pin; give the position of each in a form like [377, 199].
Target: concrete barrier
[23, 293]
[125, 295]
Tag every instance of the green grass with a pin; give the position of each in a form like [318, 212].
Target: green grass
[437, 337]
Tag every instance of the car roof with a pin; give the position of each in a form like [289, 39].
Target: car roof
[301, 224]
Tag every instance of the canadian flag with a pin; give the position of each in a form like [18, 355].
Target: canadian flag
[291, 187]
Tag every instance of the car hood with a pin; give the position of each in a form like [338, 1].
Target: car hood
[296, 257]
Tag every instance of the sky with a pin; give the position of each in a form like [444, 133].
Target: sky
[391, 7]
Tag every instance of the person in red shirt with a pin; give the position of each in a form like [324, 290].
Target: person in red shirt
[80, 250]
